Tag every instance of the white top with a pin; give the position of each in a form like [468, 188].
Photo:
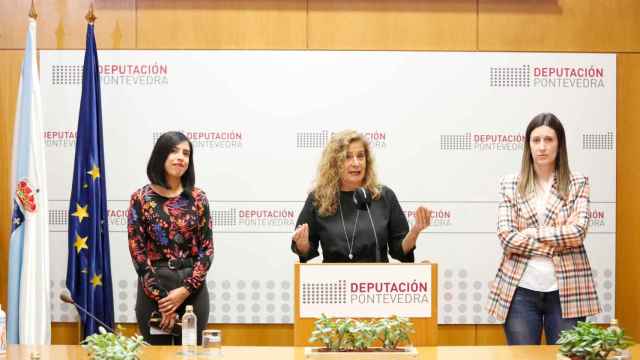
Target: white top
[540, 274]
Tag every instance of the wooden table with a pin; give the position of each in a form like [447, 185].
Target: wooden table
[59, 352]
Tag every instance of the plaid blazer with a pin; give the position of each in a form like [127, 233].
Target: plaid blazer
[556, 239]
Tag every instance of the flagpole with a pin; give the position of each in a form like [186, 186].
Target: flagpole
[90, 17]
[33, 13]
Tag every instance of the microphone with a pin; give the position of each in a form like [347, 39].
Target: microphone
[65, 297]
[362, 200]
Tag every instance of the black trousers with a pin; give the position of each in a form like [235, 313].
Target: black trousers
[172, 279]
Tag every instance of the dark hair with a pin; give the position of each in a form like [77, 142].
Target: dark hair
[163, 147]
[563, 174]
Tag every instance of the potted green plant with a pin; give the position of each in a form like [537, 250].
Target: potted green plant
[393, 331]
[349, 338]
[590, 342]
[110, 346]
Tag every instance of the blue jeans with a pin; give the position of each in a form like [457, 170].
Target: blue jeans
[530, 311]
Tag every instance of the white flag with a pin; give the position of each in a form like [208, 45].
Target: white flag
[29, 312]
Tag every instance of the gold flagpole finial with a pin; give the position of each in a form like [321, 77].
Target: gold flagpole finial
[32, 12]
[91, 17]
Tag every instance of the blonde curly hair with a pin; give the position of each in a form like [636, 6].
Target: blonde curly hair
[327, 183]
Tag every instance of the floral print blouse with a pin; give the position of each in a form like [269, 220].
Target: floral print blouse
[162, 229]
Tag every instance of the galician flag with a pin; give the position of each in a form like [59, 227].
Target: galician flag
[29, 312]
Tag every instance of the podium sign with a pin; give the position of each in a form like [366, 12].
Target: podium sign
[369, 290]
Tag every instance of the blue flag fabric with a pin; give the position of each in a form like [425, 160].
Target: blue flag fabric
[89, 262]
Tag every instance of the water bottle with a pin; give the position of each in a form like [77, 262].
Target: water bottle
[620, 354]
[189, 332]
[3, 331]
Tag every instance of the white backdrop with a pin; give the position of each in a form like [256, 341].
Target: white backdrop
[444, 126]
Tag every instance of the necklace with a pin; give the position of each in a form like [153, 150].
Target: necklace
[344, 228]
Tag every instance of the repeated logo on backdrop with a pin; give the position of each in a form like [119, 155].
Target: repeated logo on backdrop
[60, 138]
[537, 76]
[116, 212]
[603, 141]
[318, 139]
[258, 217]
[231, 139]
[597, 219]
[440, 217]
[153, 74]
[482, 142]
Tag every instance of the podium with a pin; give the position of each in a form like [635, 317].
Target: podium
[364, 291]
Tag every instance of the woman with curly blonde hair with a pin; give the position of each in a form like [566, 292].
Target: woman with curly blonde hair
[332, 220]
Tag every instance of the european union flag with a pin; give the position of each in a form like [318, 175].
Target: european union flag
[89, 264]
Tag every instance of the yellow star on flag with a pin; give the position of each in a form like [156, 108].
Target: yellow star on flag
[81, 243]
[96, 280]
[81, 212]
[95, 172]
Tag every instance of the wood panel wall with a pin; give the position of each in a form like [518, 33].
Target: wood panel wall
[458, 25]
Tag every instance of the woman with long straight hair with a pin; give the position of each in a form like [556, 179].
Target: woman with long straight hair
[544, 280]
